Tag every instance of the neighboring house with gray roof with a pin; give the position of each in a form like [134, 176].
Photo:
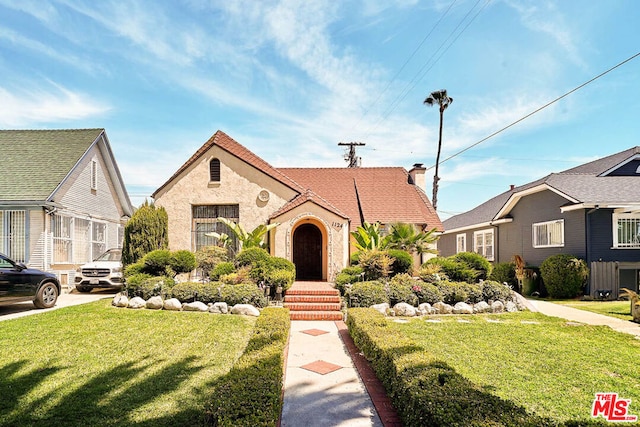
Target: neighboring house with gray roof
[62, 199]
[591, 211]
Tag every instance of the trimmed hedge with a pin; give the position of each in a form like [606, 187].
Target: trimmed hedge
[427, 391]
[427, 292]
[475, 262]
[346, 276]
[505, 272]
[145, 286]
[494, 291]
[401, 290]
[456, 271]
[243, 293]
[366, 294]
[564, 275]
[195, 291]
[250, 394]
[222, 269]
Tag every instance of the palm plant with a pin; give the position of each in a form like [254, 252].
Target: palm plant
[246, 239]
[440, 98]
[407, 238]
[368, 237]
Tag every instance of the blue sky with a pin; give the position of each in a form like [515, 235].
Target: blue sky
[292, 79]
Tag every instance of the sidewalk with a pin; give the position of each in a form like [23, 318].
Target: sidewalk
[322, 385]
[582, 316]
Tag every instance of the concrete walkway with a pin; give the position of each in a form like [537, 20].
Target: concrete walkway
[582, 316]
[322, 386]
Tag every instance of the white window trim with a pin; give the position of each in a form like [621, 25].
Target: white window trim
[464, 242]
[493, 246]
[538, 224]
[615, 218]
[73, 239]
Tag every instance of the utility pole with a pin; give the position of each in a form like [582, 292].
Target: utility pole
[350, 156]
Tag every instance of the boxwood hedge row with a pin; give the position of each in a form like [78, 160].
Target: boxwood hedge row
[250, 394]
[427, 391]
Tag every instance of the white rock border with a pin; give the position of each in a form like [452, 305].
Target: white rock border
[121, 300]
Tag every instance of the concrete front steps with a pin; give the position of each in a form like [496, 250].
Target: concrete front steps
[313, 301]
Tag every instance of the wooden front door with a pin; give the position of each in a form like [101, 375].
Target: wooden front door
[307, 252]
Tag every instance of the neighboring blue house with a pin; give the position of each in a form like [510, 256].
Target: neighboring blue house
[591, 211]
[62, 199]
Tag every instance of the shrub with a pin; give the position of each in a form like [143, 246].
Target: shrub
[251, 256]
[453, 292]
[375, 264]
[133, 269]
[427, 292]
[348, 275]
[149, 287]
[455, 270]
[208, 257]
[156, 262]
[495, 291]
[354, 259]
[136, 278]
[278, 263]
[195, 291]
[432, 273]
[401, 290]
[366, 294]
[250, 394]
[504, 272]
[236, 277]
[402, 261]
[476, 262]
[182, 261]
[244, 293]
[282, 277]
[473, 291]
[426, 391]
[221, 269]
[563, 275]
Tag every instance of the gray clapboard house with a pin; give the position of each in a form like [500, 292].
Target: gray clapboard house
[591, 211]
[62, 199]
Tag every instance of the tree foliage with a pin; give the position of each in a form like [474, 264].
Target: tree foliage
[253, 239]
[146, 231]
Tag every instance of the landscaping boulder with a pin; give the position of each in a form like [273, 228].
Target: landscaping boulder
[382, 308]
[481, 307]
[497, 307]
[425, 309]
[511, 307]
[245, 309]
[155, 303]
[195, 306]
[462, 308]
[442, 308]
[120, 300]
[173, 304]
[137, 302]
[404, 309]
[219, 308]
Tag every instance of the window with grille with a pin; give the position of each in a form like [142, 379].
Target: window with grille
[214, 170]
[461, 243]
[13, 234]
[626, 233]
[77, 240]
[61, 227]
[205, 221]
[548, 234]
[483, 243]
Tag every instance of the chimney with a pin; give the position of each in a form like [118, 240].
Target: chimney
[417, 176]
[511, 187]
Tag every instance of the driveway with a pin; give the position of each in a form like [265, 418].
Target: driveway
[74, 298]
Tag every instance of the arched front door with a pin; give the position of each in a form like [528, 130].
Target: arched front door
[307, 252]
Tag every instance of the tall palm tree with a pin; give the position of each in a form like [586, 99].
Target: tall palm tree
[441, 98]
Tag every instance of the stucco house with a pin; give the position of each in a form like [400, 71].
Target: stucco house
[315, 207]
[591, 211]
[62, 199]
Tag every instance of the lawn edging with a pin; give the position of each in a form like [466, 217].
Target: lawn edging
[427, 391]
[251, 393]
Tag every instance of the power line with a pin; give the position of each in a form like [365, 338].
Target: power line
[539, 109]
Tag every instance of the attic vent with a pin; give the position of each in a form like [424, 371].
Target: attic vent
[214, 170]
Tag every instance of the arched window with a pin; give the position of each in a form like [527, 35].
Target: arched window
[214, 170]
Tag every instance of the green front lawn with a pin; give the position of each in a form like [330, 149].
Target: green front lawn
[546, 365]
[619, 309]
[94, 364]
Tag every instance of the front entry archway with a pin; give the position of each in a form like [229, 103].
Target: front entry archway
[307, 252]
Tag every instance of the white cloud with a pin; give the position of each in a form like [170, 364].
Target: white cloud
[22, 108]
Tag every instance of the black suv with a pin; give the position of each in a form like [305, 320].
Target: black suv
[19, 283]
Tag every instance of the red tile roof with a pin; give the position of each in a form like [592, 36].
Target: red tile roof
[233, 147]
[371, 194]
[308, 195]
